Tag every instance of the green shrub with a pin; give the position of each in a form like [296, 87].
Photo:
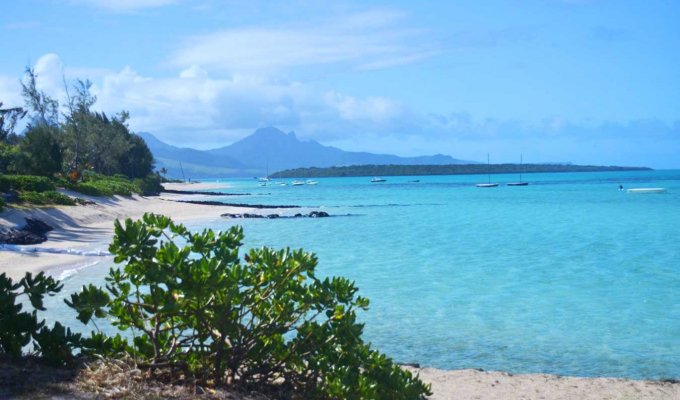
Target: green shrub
[20, 328]
[2, 204]
[150, 185]
[264, 321]
[105, 187]
[46, 198]
[29, 183]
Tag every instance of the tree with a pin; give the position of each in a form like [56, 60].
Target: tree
[138, 161]
[76, 121]
[45, 110]
[8, 121]
[43, 155]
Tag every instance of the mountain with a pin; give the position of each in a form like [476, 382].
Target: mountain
[268, 150]
[191, 163]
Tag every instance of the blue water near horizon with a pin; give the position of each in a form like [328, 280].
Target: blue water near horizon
[567, 275]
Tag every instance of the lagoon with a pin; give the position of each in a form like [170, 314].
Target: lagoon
[567, 276]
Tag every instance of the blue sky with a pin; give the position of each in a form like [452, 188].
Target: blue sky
[586, 81]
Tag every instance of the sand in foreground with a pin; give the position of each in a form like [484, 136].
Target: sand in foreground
[473, 384]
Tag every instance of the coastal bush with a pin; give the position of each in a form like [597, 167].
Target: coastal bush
[29, 183]
[46, 198]
[99, 185]
[2, 204]
[265, 321]
[20, 328]
[150, 185]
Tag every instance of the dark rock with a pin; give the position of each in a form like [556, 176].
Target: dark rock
[203, 193]
[313, 214]
[36, 226]
[218, 203]
[17, 236]
[34, 232]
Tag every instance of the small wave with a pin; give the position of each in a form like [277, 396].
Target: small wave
[69, 273]
[51, 250]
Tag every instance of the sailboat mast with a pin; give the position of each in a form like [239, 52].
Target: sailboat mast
[520, 167]
[488, 166]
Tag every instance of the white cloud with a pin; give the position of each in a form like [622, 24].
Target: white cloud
[367, 40]
[124, 5]
[10, 92]
[196, 109]
[373, 109]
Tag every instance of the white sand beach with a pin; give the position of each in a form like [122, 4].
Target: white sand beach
[469, 384]
[89, 228]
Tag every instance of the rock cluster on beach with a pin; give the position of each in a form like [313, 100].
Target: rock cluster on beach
[313, 214]
[34, 232]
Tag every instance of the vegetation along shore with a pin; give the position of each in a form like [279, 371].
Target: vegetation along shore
[451, 169]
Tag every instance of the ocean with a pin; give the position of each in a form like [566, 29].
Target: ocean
[568, 275]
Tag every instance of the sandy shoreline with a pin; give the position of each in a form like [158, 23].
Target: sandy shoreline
[90, 228]
[473, 384]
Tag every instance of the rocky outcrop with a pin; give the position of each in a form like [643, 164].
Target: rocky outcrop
[219, 203]
[34, 232]
[172, 191]
[313, 214]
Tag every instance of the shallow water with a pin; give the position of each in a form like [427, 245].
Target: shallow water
[568, 275]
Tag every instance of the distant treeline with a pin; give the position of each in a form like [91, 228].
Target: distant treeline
[451, 169]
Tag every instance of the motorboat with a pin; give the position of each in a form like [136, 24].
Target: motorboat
[376, 180]
[298, 183]
[311, 182]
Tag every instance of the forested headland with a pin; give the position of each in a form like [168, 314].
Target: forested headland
[45, 145]
[452, 169]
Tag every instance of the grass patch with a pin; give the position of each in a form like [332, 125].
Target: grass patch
[46, 198]
[100, 185]
[27, 183]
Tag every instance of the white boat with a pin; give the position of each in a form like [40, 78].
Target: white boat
[647, 190]
[487, 185]
[298, 183]
[311, 182]
[520, 183]
[376, 180]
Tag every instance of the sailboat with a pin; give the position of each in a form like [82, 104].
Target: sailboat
[263, 181]
[486, 185]
[520, 183]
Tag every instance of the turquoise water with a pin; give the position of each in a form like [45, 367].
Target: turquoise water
[568, 275]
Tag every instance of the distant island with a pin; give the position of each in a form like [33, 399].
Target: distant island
[449, 169]
[267, 150]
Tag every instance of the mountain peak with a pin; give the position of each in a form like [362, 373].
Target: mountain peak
[270, 149]
[268, 132]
